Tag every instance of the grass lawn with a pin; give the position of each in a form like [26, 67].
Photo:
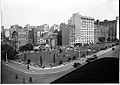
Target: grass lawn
[47, 56]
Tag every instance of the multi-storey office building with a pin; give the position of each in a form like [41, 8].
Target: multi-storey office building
[18, 35]
[84, 28]
[71, 35]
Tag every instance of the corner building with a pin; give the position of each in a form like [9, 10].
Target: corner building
[84, 29]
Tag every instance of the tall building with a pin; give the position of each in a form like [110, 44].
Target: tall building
[65, 34]
[111, 26]
[71, 35]
[22, 37]
[84, 28]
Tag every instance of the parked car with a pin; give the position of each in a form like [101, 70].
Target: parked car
[91, 58]
[76, 65]
[113, 48]
[95, 57]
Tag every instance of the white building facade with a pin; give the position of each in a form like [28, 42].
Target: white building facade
[84, 29]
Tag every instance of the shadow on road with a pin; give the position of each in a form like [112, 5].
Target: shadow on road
[104, 70]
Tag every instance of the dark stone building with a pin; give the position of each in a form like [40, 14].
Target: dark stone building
[111, 26]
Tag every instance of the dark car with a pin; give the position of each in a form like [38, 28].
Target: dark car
[113, 48]
[76, 65]
[91, 58]
[94, 56]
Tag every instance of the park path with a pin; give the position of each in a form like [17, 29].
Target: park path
[34, 70]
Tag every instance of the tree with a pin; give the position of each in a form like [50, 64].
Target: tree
[16, 76]
[28, 61]
[60, 50]
[87, 52]
[83, 55]
[69, 59]
[22, 48]
[63, 55]
[101, 39]
[108, 39]
[29, 47]
[60, 62]
[10, 51]
[30, 80]
[74, 57]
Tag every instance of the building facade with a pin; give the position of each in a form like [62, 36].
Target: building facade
[65, 34]
[118, 33]
[19, 36]
[100, 31]
[55, 27]
[71, 35]
[84, 28]
[111, 26]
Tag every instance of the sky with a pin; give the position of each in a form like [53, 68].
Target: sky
[39, 12]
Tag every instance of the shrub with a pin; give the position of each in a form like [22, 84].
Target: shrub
[63, 55]
[30, 80]
[83, 55]
[74, 57]
[69, 59]
[60, 62]
[28, 61]
[16, 76]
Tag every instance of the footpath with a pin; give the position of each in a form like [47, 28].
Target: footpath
[49, 70]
